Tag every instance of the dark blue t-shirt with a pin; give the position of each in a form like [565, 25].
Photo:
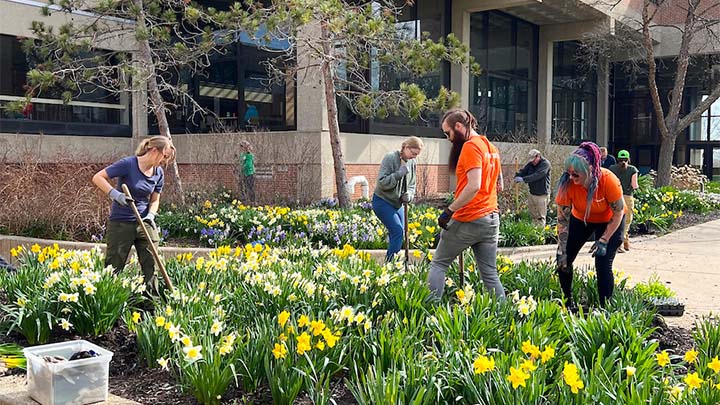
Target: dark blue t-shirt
[141, 187]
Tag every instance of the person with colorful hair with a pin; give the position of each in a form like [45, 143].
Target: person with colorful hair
[472, 219]
[590, 203]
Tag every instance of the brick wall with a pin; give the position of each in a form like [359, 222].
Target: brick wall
[675, 11]
[432, 179]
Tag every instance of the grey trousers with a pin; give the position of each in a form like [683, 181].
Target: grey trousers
[480, 234]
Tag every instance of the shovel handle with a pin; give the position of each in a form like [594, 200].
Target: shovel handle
[153, 249]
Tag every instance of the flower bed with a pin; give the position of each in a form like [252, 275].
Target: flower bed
[231, 222]
[296, 320]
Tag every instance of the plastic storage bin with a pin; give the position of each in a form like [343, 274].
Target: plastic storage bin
[76, 382]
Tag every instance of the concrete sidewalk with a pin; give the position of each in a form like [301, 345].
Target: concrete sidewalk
[687, 260]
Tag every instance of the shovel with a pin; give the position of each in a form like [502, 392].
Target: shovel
[407, 237]
[153, 249]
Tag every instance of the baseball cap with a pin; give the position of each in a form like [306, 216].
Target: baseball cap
[623, 154]
[533, 153]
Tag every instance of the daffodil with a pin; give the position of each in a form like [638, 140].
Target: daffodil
[283, 318]
[547, 354]
[690, 356]
[663, 358]
[136, 317]
[693, 380]
[517, 377]
[186, 341]
[163, 362]
[483, 364]
[280, 351]
[630, 371]
[530, 349]
[714, 365]
[216, 327]
[303, 343]
[303, 321]
[193, 353]
[65, 324]
[528, 365]
[160, 321]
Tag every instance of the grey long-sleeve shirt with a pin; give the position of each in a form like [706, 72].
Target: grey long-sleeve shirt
[389, 181]
[537, 177]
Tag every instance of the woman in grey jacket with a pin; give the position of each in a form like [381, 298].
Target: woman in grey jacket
[395, 186]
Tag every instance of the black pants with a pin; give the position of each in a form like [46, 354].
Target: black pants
[578, 234]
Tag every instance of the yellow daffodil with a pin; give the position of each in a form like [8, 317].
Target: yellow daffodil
[330, 338]
[283, 318]
[676, 392]
[303, 321]
[572, 378]
[530, 349]
[630, 371]
[528, 365]
[693, 380]
[186, 341]
[547, 354]
[320, 345]
[663, 358]
[690, 356]
[517, 377]
[280, 351]
[483, 364]
[35, 248]
[714, 365]
[160, 321]
[317, 327]
[136, 317]
[303, 343]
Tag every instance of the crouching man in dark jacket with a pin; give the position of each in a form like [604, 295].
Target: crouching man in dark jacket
[536, 174]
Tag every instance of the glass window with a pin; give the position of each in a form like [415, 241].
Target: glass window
[504, 98]
[574, 95]
[93, 111]
[424, 17]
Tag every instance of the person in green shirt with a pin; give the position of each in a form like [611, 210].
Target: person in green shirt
[628, 175]
[246, 160]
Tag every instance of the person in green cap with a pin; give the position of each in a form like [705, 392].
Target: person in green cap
[628, 175]
[246, 161]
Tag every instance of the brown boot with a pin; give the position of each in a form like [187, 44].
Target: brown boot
[626, 245]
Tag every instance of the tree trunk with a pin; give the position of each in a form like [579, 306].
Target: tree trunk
[330, 97]
[156, 100]
[667, 150]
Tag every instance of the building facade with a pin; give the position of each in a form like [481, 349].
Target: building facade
[532, 92]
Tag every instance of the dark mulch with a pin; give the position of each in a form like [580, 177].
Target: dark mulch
[690, 219]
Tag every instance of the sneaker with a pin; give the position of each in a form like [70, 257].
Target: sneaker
[621, 250]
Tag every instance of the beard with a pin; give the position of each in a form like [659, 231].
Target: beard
[457, 145]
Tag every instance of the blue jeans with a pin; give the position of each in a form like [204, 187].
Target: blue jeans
[482, 236]
[393, 219]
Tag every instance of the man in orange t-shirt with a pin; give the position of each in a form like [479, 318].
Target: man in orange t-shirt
[472, 220]
[590, 202]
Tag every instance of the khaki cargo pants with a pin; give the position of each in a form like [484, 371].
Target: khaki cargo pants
[120, 237]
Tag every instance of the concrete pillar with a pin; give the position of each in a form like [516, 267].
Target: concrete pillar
[602, 131]
[459, 75]
[545, 83]
[139, 112]
[312, 115]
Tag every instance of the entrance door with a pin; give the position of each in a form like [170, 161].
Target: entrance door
[707, 160]
[714, 172]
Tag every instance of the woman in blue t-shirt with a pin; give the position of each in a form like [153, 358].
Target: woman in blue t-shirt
[144, 176]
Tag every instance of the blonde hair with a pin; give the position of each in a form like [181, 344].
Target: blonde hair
[156, 142]
[413, 142]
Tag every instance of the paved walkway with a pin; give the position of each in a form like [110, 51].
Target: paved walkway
[687, 260]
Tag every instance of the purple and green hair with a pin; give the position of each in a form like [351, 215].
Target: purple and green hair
[586, 159]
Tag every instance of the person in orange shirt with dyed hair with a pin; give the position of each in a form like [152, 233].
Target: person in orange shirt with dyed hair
[590, 202]
[472, 220]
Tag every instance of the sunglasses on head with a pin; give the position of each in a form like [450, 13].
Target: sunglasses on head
[573, 174]
[447, 134]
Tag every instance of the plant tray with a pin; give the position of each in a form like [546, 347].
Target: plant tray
[668, 307]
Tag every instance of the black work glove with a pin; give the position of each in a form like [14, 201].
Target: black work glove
[404, 198]
[599, 249]
[444, 218]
